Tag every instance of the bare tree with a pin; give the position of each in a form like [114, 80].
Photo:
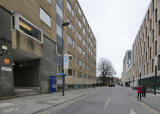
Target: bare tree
[106, 70]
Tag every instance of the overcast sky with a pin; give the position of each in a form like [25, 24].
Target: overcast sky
[115, 24]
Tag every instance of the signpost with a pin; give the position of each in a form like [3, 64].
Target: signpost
[63, 81]
[66, 61]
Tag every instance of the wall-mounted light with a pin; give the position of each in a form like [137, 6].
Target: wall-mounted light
[6, 61]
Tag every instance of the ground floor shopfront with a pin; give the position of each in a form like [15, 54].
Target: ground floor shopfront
[148, 82]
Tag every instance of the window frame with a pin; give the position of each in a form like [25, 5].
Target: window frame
[17, 27]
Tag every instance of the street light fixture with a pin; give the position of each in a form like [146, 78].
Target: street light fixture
[133, 81]
[155, 78]
[63, 77]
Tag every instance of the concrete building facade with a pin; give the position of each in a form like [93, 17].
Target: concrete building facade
[146, 49]
[32, 42]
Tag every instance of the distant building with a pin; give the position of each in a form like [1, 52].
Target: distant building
[146, 51]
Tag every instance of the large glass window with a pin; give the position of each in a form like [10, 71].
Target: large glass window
[70, 8]
[70, 41]
[49, 1]
[59, 30]
[29, 29]
[45, 17]
[79, 11]
[59, 11]
[23, 25]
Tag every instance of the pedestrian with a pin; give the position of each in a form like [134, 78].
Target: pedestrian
[139, 92]
[144, 91]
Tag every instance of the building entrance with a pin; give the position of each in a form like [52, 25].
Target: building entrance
[26, 77]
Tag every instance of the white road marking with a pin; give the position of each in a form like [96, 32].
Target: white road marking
[132, 111]
[3, 105]
[107, 102]
[10, 109]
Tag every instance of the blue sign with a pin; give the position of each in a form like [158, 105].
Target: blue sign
[61, 74]
[52, 84]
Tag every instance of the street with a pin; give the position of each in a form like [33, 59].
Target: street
[114, 100]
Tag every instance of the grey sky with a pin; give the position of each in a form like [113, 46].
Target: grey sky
[115, 24]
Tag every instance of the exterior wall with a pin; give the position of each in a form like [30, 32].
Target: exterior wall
[6, 76]
[30, 9]
[22, 47]
[25, 48]
[146, 45]
[85, 73]
[48, 65]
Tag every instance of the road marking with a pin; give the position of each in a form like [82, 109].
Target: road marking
[3, 105]
[10, 109]
[132, 111]
[66, 103]
[107, 102]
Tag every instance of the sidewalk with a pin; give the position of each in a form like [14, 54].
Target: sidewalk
[34, 104]
[150, 99]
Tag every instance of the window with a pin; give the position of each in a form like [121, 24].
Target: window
[79, 23]
[156, 16]
[156, 48]
[70, 8]
[45, 17]
[27, 27]
[70, 41]
[79, 11]
[49, 1]
[59, 11]
[69, 72]
[84, 32]
[147, 68]
[153, 5]
[159, 27]
[80, 37]
[84, 43]
[84, 54]
[89, 40]
[70, 57]
[80, 50]
[148, 41]
[158, 62]
[71, 25]
[152, 65]
[59, 30]
[150, 52]
[150, 24]
[79, 62]
[84, 20]
[153, 35]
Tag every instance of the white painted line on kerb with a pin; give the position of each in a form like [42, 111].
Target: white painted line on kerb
[107, 102]
[132, 111]
[3, 105]
[10, 109]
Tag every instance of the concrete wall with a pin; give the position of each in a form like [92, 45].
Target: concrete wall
[6, 77]
[48, 66]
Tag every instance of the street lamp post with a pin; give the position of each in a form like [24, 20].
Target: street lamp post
[63, 77]
[140, 79]
[133, 81]
[155, 77]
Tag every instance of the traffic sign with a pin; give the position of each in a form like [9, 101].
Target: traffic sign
[61, 74]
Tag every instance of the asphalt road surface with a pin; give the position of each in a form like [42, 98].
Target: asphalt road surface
[114, 100]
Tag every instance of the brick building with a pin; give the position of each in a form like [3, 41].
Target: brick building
[32, 42]
[146, 50]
